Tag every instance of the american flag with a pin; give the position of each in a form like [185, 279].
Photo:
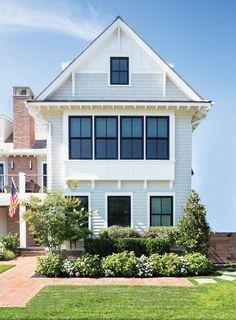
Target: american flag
[14, 199]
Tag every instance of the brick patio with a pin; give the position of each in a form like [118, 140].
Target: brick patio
[19, 284]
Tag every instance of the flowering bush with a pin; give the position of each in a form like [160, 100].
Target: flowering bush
[119, 265]
[155, 260]
[144, 267]
[171, 265]
[6, 254]
[51, 265]
[68, 267]
[115, 232]
[88, 265]
[10, 242]
[163, 232]
[198, 264]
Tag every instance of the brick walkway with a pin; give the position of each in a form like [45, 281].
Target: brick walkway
[18, 285]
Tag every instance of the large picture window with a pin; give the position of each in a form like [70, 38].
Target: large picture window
[131, 137]
[80, 137]
[119, 210]
[161, 211]
[157, 138]
[119, 70]
[106, 145]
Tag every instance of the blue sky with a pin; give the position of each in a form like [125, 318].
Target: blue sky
[197, 36]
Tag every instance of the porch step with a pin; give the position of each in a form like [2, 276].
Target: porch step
[33, 252]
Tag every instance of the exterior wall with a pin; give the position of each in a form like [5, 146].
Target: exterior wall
[21, 164]
[5, 128]
[23, 123]
[180, 188]
[3, 220]
[145, 86]
[13, 223]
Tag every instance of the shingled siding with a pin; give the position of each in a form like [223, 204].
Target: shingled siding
[96, 87]
[181, 187]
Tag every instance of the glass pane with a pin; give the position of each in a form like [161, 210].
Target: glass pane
[155, 221]
[115, 64]
[111, 149]
[156, 205]
[115, 77]
[1, 168]
[101, 127]
[151, 128]
[111, 128]
[119, 211]
[166, 206]
[137, 149]
[166, 220]
[83, 202]
[86, 127]
[126, 127]
[75, 149]
[101, 149]
[86, 149]
[123, 64]
[162, 148]
[124, 77]
[126, 149]
[74, 127]
[151, 148]
[137, 128]
[162, 128]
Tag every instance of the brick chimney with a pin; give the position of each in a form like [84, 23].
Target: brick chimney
[23, 123]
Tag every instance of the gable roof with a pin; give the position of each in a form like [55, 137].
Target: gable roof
[120, 23]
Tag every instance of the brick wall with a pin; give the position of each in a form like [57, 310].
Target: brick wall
[23, 123]
[13, 223]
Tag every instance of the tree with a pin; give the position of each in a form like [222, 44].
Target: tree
[193, 229]
[55, 219]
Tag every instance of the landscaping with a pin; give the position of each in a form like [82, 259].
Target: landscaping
[5, 267]
[208, 302]
[8, 246]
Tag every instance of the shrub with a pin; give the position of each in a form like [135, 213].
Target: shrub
[68, 267]
[136, 245]
[193, 229]
[102, 247]
[171, 265]
[198, 264]
[157, 245]
[115, 232]
[51, 265]
[144, 267]
[88, 265]
[155, 260]
[10, 242]
[163, 232]
[119, 264]
[6, 254]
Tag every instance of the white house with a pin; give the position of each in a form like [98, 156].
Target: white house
[120, 123]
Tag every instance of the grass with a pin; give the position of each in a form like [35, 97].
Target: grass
[5, 267]
[215, 301]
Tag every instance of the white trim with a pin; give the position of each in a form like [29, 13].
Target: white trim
[159, 194]
[5, 173]
[93, 47]
[117, 194]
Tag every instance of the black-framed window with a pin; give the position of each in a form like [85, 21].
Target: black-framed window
[161, 211]
[131, 137]
[45, 178]
[106, 138]
[157, 138]
[119, 68]
[119, 210]
[1, 176]
[80, 137]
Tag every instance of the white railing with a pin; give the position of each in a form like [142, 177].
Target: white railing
[25, 183]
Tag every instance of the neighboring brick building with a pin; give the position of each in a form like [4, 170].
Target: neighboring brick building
[22, 150]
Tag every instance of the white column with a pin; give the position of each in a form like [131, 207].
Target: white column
[22, 210]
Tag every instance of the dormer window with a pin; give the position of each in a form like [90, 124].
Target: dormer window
[119, 67]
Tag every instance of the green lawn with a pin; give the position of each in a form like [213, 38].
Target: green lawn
[215, 301]
[5, 267]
